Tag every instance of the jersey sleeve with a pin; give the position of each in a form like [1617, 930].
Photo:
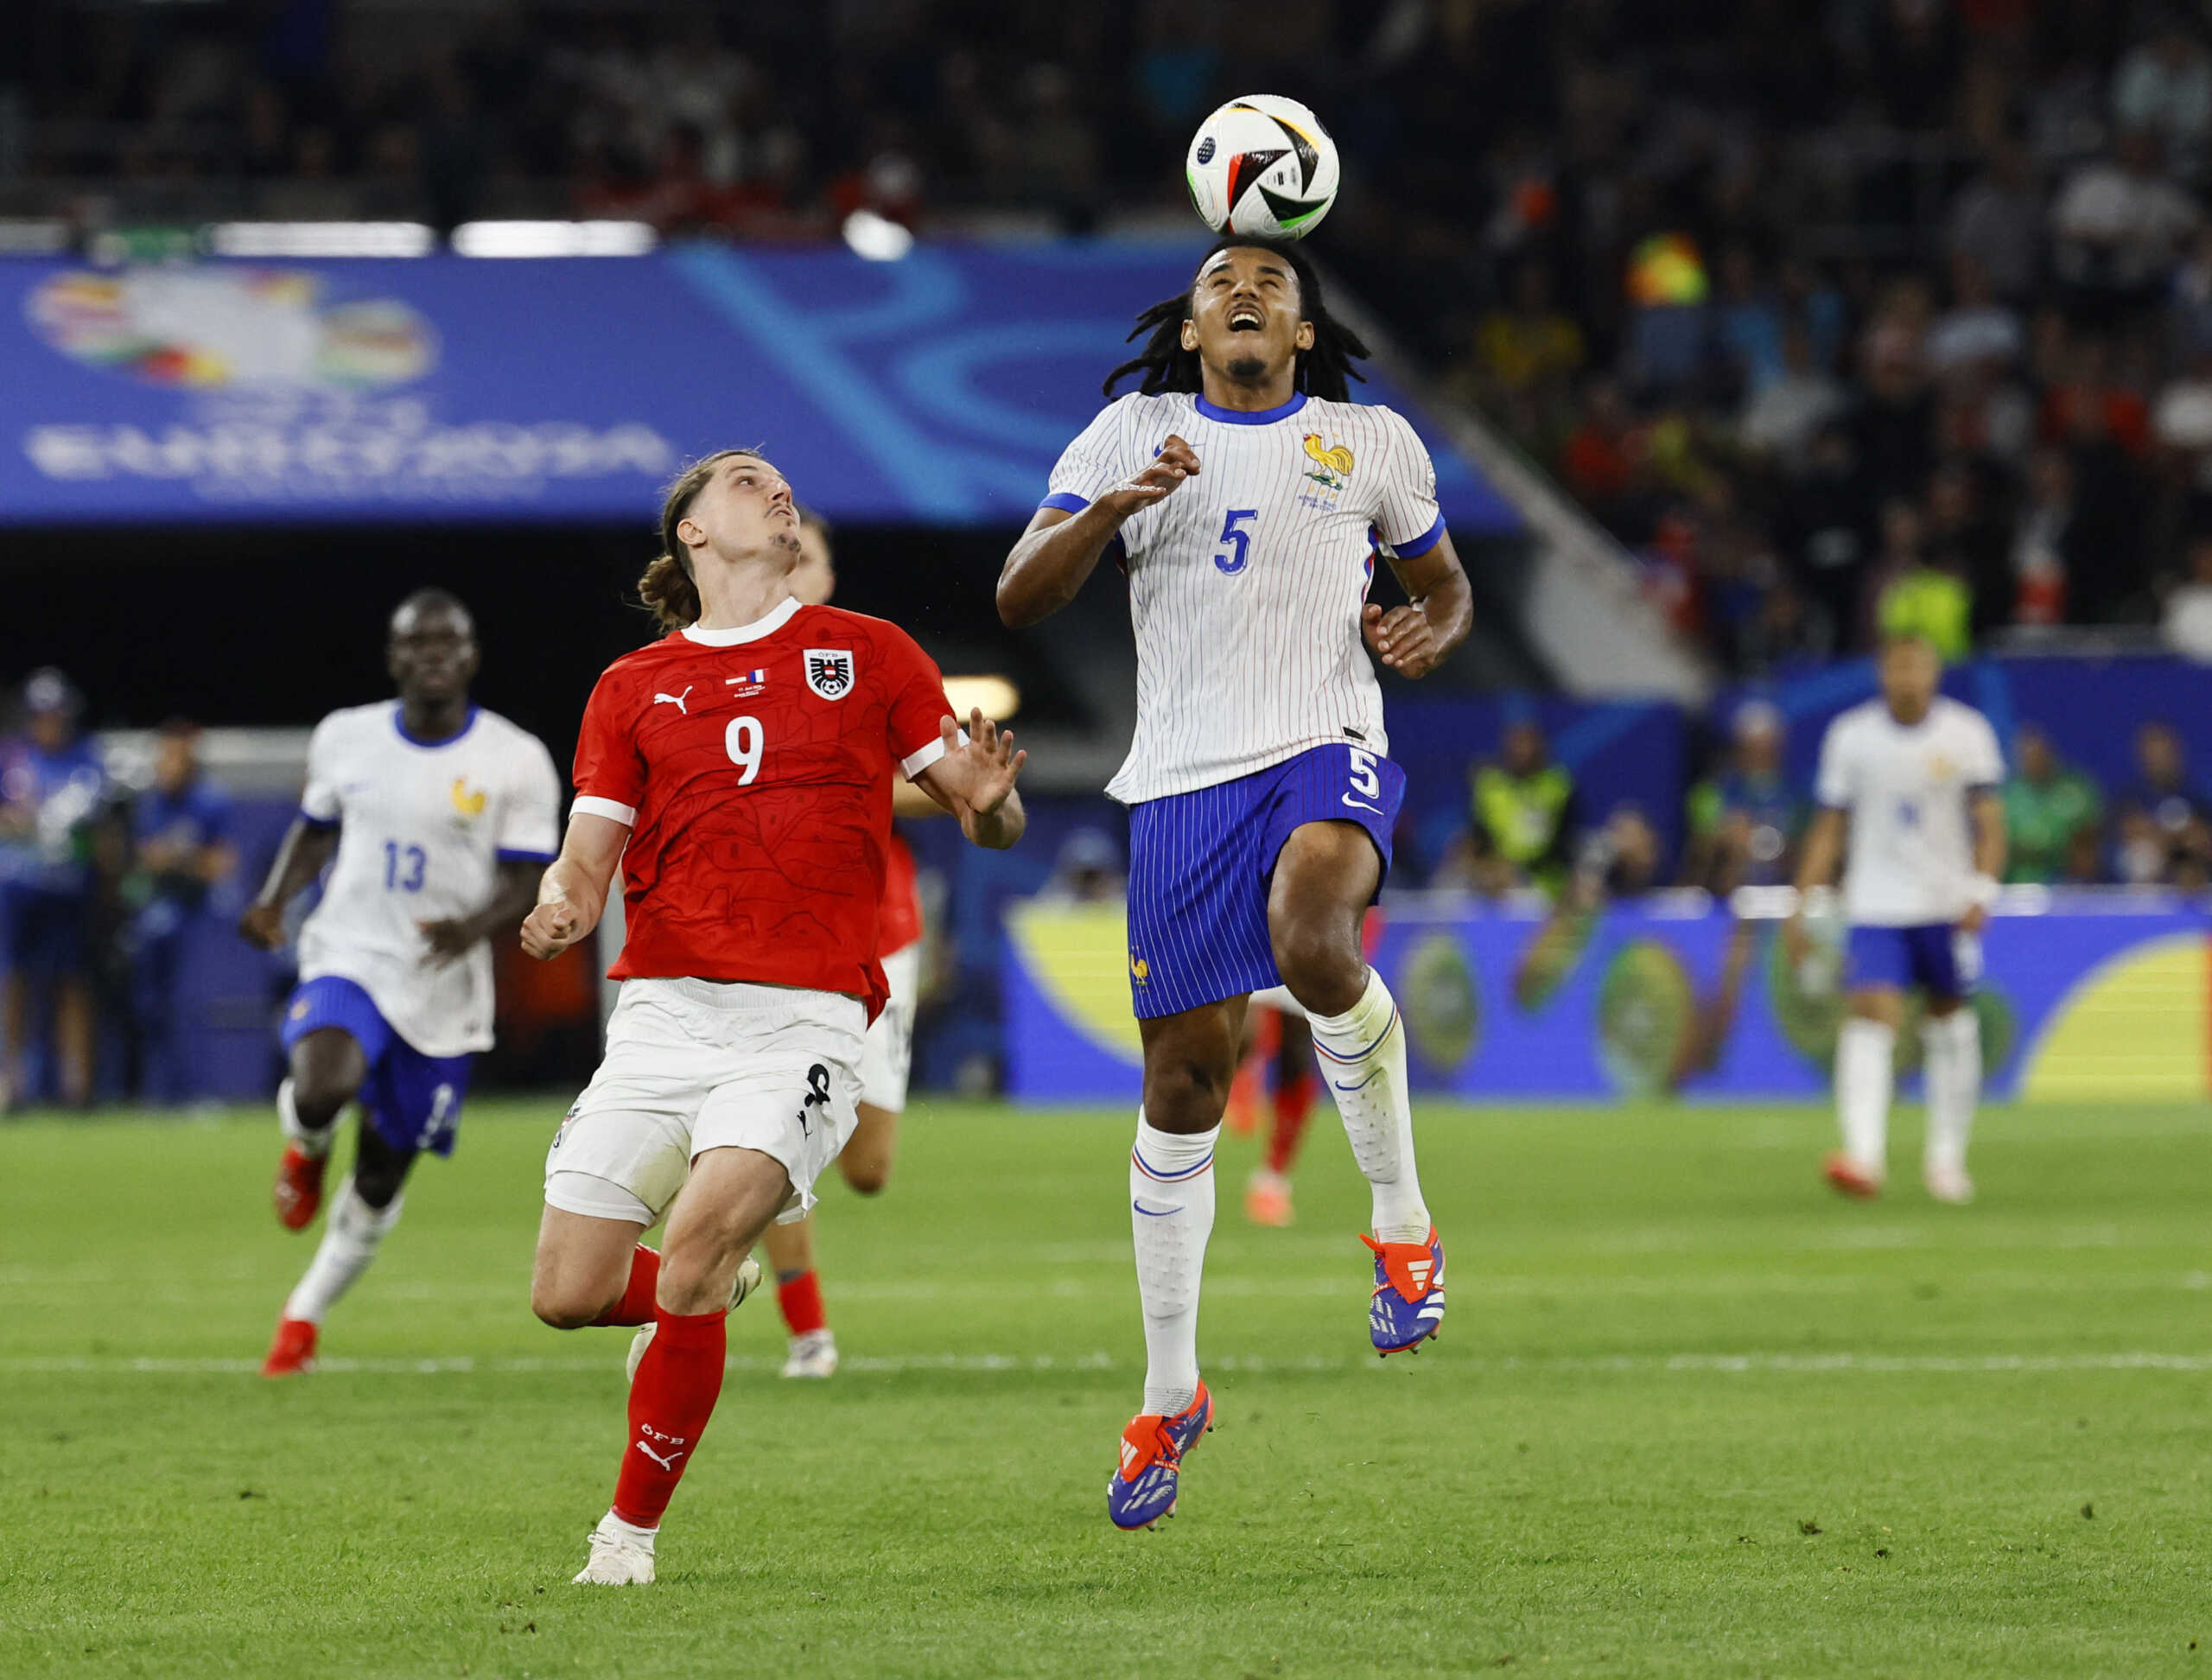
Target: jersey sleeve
[1093, 463]
[1985, 765]
[610, 773]
[1407, 518]
[530, 824]
[1836, 784]
[319, 804]
[919, 707]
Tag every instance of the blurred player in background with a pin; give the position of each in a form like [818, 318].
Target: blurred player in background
[51, 789]
[739, 772]
[182, 827]
[1244, 492]
[887, 1053]
[439, 816]
[1914, 780]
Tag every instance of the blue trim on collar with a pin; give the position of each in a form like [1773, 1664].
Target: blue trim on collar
[1251, 417]
[399, 722]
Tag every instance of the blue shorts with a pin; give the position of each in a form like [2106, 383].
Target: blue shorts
[1200, 864]
[413, 1100]
[45, 935]
[1935, 956]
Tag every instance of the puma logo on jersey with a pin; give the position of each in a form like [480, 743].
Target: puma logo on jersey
[676, 700]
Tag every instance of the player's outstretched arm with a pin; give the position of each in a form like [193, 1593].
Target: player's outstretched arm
[1414, 641]
[1053, 560]
[974, 781]
[1815, 868]
[572, 893]
[454, 937]
[305, 848]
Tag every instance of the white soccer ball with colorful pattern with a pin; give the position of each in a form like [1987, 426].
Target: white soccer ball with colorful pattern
[1264, 166]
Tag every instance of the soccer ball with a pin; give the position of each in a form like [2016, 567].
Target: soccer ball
[1263, 165]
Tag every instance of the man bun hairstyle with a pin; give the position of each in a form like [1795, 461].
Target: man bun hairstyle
[670, 592]
[1324, 371]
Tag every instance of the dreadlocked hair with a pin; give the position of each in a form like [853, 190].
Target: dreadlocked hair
[1322, 371]
[670, 592]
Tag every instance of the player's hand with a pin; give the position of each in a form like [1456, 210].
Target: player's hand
[1176, 461]
[1976, 919]
[1796, 940]
[263, 924]
[1402, 639]
[552, 926]
[449, 938]
[991, 763]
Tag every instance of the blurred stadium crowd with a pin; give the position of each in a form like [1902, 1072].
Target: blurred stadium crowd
[1867, 308]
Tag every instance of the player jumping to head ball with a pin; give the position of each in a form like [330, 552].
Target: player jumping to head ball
[1244, 493]
[739, 772]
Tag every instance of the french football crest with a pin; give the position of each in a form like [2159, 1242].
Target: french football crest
[830, 672]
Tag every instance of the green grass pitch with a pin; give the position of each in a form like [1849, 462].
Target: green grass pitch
[1690, 1415]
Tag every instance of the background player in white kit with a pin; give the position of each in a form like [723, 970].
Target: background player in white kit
[442, 817]
[1914, 777]
[1244, 493]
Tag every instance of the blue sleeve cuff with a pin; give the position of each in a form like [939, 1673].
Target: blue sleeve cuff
[508, 855]
[1414, 547]
[321, 823]
[1066, 501]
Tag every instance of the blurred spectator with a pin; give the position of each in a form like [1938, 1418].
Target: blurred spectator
[2188, 624]
[1977, 328]
[1522, 817]
[1828, 530]
[51, 786]
[1525, 354]
[2120, 223]
[1618, 859]
[2164, 87]
[1086, 870]
[1604, 454]
[1998, 223]
[1743, 822]
[2054, 816]
[2048, 543]
[182, 827]
[1779, 417]
[2164, 824]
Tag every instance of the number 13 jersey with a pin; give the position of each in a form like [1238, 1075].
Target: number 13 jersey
[1247, 581]
[754, 769]
[423, 826]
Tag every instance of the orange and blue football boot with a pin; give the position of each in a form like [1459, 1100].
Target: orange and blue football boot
[1408, 1305]
[1141, 1490]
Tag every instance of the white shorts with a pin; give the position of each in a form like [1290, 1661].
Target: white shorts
[888, 1055]
[1279, 998]
[699, 1065]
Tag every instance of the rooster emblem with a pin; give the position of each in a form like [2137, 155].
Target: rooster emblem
[469, 805]
[1334, 462]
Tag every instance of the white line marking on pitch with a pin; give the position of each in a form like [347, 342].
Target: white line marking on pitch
[1008, 1364]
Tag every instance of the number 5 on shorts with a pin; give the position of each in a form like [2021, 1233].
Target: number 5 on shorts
[1364, 782]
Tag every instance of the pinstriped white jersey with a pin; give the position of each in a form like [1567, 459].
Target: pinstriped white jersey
[1246, 583]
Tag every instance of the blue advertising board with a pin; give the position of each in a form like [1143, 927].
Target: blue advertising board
[936, 389]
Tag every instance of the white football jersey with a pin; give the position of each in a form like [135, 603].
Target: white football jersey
[1246, 583]
[422, 829]
[1907, 790]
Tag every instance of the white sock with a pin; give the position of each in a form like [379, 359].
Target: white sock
[1865, 1051]
[1952, 1047]
[1171, 1216]
[312, 1144]
[611, 1524]
[1363, 1058]
[350, 1240]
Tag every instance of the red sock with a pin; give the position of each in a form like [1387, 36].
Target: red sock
[636, 1305]
[801, 1299]
[671, 1400]
[1293, 1104]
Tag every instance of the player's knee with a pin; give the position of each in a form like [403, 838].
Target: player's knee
[559, 1303]
[1185, 1095]
[319, 1096]
[868, 1176]
[378, 1184]
[1318, 961]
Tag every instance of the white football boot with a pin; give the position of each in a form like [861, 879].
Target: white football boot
[1948, 1182]
[748, 1280]
[619, 1557]
[814, 1354]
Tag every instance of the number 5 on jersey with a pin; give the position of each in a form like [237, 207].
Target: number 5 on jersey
[1233, 559]
[742, 741]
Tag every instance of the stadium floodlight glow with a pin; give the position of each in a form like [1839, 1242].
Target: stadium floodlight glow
[997, 696]
[321, 238]
[554, 239]
[877, 238]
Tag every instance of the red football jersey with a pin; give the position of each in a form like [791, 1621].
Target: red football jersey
[754, 766]
[900, 923]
